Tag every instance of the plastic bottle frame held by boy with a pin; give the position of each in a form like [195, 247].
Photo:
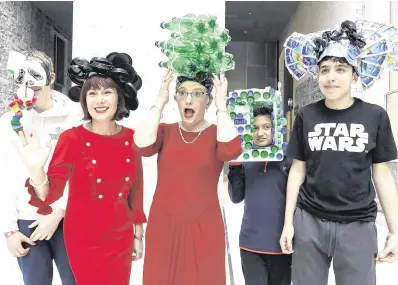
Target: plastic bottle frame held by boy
[262, 187]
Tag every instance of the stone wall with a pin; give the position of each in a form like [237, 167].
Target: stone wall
[22, 26]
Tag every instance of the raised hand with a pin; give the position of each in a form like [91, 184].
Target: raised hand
[32, 152]
[164, 93]
[221, 85]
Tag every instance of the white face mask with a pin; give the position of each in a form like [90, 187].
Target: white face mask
[27, 71]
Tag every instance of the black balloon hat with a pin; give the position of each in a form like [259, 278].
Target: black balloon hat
[117, 66]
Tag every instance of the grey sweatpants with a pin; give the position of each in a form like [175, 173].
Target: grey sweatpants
[351, 246]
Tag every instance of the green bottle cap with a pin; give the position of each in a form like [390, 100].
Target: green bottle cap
[274, 148]
[247, 137]
[264, 154]
[246, 156]
[243, 94]
[256, 95]
[232, 115]
[266, 95]
[272, 155]
[248, 145]
[255, 153]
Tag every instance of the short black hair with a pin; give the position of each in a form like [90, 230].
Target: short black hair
[96, 82]
[342, 60]
[262, 111]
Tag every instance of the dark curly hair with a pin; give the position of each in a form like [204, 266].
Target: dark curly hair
[262, 111]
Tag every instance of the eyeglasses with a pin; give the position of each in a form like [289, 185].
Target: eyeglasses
[181, 95]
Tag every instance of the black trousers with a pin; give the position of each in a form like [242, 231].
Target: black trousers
[266, 269]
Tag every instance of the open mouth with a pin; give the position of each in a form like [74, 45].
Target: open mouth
[188, 113]
[101, 110]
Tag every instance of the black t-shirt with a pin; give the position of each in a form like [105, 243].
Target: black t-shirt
[339, 148]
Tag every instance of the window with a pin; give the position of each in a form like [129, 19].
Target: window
[60, 63]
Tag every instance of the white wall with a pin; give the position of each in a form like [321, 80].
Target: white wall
[328, 14]
[133, 27]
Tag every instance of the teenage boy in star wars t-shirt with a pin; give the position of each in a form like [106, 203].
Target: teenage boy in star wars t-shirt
[339, 145]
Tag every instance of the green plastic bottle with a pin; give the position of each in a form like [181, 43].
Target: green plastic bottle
[178, 46]
[186, 27]
[181, 65]
[209, 19]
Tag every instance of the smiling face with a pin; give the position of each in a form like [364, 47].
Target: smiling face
[192, 100]
[102, 103]
[100, 100]
[335, 78]
[262, 127]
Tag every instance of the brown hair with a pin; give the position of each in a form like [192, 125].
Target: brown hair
[97, 82]
[40, 56]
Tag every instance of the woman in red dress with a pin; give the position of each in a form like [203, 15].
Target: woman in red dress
[185, 232]
[104, 215]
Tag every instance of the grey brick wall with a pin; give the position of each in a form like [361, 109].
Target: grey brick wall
[23, 26]
[307, 92]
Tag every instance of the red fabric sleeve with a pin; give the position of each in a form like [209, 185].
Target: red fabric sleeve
[59, 171]
[156, 146]
[136, 197]
[227, 151]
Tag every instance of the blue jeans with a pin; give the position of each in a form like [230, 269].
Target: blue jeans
[37, 265]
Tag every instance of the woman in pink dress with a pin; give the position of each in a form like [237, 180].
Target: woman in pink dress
[104, 216]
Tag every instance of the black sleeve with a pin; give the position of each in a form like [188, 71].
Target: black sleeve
[236, 183]
[295, 147]
[386, 149]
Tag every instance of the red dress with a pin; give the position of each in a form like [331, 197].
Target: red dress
[105, 201]
[185, 240]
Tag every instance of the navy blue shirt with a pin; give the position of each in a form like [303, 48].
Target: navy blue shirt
[264, 196]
